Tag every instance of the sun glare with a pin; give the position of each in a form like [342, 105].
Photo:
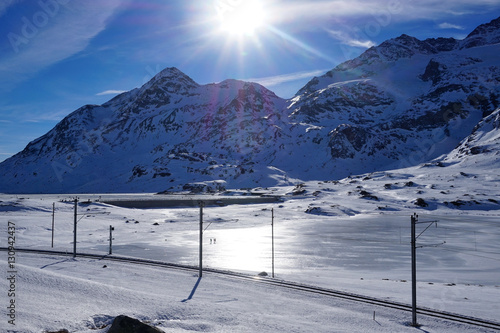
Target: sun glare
[241, 17]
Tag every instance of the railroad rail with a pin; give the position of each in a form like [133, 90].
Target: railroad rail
[285, 284]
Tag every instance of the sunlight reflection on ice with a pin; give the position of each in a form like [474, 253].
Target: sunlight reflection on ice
[245, 249]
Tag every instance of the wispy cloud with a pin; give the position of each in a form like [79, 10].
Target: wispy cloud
[46, 112]
[68, 31]
[54, 116]
[304, 46]
[312, 14]
[110, 92]
[446, 25]
[322, 9]
[344, 38]
[279, 79]
[6, 4]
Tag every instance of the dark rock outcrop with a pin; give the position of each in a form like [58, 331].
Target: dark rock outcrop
[125, 324]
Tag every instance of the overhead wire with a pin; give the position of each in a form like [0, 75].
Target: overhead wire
[468, 230]
[458, 248]
[470, 254]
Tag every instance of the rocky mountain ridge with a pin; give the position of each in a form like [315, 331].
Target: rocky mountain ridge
[401, 103]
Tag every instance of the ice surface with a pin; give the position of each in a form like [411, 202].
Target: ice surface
[351, 234]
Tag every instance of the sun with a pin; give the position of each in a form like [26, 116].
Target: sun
[240, 17]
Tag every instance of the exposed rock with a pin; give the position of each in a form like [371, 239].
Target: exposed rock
[367, 195]
[485, 34]
[299, 189]
[421, 203]
[205, 187]
[345, 140]
[433, 71]
[125, 324]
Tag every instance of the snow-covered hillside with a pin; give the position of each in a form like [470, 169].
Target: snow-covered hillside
[352, 234]
[400, 104]
[84, 296]
[169, 132]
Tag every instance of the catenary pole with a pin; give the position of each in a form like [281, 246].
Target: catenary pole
[53, 217]
[272, 239]
[201, 239]
[74, 229]
[413, 272]
[111, 239]
[414, 237]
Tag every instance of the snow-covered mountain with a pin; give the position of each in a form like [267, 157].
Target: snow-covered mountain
[402, 103]
[168, 132]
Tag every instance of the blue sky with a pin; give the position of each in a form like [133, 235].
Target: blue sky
[58, 55]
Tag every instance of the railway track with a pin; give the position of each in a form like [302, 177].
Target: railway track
[287, 284]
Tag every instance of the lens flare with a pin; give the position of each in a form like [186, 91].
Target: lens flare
[241, 17]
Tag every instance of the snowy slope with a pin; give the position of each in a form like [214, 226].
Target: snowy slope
[83, 296]
[169, 132]
[351, 234]
[483, 145]
[400, 104]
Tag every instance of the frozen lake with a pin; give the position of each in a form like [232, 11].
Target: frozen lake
[364, 253]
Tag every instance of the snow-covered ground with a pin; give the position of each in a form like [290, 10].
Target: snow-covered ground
[352, 234]
[84, 296]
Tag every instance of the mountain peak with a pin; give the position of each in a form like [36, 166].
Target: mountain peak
[406, 46]
[402, 103]
[485, 34]
[231, 82]
[485, 28]
[169, 81]
[170, 71]
[402, 47]
[407, 39]
[173, 74]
